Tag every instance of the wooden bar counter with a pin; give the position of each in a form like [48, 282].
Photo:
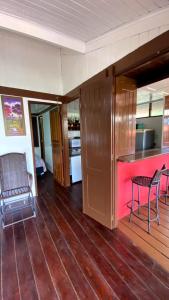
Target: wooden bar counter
[142, 163]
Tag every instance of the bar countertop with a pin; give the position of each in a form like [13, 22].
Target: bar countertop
[143, 155]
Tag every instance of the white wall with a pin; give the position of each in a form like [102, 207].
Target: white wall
[47, 142]
[20, 144]
[29, 64]
[106, 50]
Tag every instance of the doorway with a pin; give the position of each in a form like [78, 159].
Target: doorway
[74, 137]
[41, 138]
[51, 140]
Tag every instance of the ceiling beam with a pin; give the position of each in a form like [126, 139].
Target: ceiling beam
[37, 31]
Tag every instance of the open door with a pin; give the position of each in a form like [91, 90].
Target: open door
[96, 136]
[57, 144]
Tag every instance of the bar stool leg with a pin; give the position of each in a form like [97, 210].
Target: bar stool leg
[166, 190]
[138, 199]
[157, 207]
[132, 202]
[149, 191]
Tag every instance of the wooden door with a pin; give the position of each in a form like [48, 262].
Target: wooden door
[57, 145]
[125, 116]
[165, 139]
[96, 138]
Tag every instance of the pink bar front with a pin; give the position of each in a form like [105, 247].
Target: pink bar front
[126, 170]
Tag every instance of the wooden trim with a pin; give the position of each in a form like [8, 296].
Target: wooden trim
[27, 93]
[33, 153]
[153, 49]
[66, 163]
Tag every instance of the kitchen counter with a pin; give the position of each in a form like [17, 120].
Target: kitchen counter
[143, 155]
[140, 164]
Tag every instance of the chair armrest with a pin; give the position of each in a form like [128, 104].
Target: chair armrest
[30, 179]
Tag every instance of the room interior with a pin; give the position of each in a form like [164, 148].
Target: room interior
[102, 75]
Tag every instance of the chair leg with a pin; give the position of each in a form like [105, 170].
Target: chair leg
[33, 203]
[132, 203]
[138, 199]
[3, 214]
[166, 190]
[34, 207]
[157, 206]
[149, 192]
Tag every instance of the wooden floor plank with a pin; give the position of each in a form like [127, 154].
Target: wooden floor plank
[26, 278]
[60, 277]
[42, 276]
[145, 275]
[112, 276]
[81, 285]
[9, 272]
[64, 254]
[160, 239]
[156, 244]
[155, 268]
[88, 266]
[147, 247]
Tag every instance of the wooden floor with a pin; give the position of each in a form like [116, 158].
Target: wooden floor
[62, 254]
[155, 244]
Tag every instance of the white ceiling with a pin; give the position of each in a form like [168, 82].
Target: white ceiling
[158, 90]
[83, 20]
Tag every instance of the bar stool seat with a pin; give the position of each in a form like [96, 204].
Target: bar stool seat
[147, 182]
[142, 180]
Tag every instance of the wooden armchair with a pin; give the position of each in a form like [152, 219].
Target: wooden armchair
[15, 182]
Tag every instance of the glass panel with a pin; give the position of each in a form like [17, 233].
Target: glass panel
[143, 96]
[157, 96]
[157, 108]
[142, 110]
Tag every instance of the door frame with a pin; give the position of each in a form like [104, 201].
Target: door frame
[32, 140]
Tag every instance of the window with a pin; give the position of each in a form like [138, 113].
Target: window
[151, 108]
[142, 110]
[157, 108]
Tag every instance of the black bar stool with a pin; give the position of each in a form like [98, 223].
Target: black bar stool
[149, 182]
[165, 194]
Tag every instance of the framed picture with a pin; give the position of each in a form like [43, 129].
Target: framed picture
[13, 114]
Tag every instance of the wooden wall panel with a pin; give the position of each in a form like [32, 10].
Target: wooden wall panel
[125, 116]
[96, 127]
[165, 139]
[57, 145]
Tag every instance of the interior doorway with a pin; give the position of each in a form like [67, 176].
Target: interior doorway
[41, 139]
[54, 143]
[74, 137]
